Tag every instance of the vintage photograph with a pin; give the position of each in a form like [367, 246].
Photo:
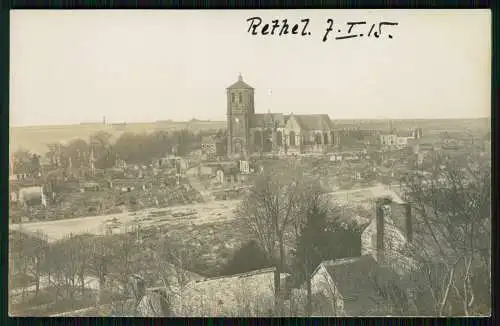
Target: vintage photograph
[250, 163]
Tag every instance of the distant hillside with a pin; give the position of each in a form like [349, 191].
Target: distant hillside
[36, 138]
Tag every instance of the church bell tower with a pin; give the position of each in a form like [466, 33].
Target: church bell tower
[240, 112]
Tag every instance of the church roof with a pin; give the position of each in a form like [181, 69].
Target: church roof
[314, 121]
[208, 140]
[240, 84]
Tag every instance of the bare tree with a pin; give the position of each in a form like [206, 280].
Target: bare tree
[38, 254]
[61, 266]
[53, 267]
[309, 224]
[69, 251]
[100, 260]
[452, 235]
[83, 256]
[123, 250]
[270, 208]
[19, 248]
[173, 265]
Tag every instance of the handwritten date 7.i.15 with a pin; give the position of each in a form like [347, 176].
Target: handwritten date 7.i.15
[358, 29]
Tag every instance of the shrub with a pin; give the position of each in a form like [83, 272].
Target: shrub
[249, 257]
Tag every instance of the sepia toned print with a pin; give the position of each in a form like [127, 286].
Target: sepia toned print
[219, 164]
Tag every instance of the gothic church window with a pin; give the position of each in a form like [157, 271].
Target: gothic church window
[232, 97]
[317, 139]
[240, 98]
[292, 138]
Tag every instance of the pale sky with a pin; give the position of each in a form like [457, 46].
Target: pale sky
[140, 66]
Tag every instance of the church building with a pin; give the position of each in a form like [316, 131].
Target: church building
[258, 133]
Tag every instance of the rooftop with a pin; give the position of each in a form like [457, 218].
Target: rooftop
[357, 280]
[240, 84]
[247, 294]
[262, 120]
[314, 121]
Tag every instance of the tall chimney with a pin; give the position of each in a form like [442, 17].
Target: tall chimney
[409, 222]
[380, 230]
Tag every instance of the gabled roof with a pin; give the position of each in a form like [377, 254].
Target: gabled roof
[262, 120]
[357, 280]
[249, 294]
[240, 84]
[314, 121]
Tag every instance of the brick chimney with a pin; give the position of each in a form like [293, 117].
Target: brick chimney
[402, 217]
[380, 230]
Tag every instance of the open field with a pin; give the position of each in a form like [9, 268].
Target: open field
[36, 138]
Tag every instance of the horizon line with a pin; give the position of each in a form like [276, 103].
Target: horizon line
[209, 120]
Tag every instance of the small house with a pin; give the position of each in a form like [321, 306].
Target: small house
[249, 294]
[352, 287]
[32, 196]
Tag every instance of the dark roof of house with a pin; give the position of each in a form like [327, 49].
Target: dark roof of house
[240, 84]
[314, 121]
[262, 120]
[357, 280]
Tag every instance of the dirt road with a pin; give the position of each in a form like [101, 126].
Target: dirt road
[212, 212]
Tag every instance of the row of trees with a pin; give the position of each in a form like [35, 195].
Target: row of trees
[131, 147]
[67, 267]
[453, 234]
[26, 162]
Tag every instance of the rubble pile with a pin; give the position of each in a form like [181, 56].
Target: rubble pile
[178, 195]
[229, 194]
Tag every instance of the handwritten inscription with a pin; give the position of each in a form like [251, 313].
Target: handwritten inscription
[355, 29]
[278, 28]
[352, 29]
